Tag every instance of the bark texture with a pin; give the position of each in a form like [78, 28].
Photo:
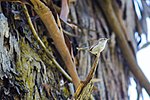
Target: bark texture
[26, 70]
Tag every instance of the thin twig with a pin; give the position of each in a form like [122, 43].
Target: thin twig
[42, 44]
[70, 34]
[50, 23]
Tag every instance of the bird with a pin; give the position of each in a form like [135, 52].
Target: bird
[99, 46]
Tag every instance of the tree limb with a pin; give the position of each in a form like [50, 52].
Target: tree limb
[128, 55]
[42, 44]
[46, 16]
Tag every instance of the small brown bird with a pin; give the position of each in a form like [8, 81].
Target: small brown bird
[99, 46]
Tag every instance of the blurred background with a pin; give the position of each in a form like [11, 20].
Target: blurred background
[143, 55]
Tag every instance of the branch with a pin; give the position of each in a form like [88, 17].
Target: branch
[47, 17]
[42, 44]
[126, 50]
[85, 87]
[84, 84]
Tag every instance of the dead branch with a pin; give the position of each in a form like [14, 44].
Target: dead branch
[42, 44]
[47, 17]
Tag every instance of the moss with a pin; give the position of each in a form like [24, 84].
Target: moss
[27, 64]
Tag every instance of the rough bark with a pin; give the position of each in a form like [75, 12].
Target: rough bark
[27, 71]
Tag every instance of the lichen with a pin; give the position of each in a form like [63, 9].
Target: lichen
[28, 66]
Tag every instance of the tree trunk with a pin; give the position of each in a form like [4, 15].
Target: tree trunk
[28, 72]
